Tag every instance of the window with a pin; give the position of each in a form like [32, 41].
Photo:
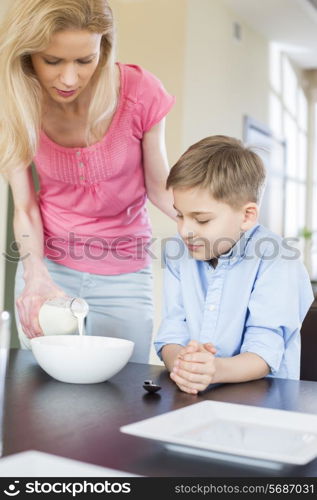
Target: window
[314, 202]
[289, 121]
[283, 148]
[273, 153]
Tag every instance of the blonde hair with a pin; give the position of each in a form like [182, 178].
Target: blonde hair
[27, 29]
[231, 171]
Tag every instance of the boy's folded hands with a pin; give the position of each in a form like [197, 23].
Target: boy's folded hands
[194, 367]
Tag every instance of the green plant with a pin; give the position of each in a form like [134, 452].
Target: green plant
[305, 233]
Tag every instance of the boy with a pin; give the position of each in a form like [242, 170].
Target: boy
[235, 293]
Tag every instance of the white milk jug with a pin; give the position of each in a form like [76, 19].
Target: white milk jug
[63, 315]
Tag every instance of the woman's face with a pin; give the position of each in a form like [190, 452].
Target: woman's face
[65, 68]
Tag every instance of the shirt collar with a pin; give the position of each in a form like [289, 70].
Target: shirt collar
[237, 252]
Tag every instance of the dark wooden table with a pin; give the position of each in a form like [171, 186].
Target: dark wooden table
[82, 421]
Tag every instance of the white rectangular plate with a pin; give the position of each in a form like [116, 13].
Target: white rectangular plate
[38, 464]
[228, 431]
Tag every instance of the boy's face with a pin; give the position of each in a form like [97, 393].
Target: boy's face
[210, 227]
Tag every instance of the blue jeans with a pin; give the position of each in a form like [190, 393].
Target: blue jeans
[119, 306]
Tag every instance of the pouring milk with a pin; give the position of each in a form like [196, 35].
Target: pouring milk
[63, 316]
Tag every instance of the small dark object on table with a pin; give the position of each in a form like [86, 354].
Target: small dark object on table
[150, 386]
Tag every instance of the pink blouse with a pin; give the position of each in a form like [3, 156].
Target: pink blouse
[92, 199]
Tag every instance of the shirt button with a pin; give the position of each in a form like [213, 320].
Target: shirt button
[78, 153]
[81, 164]
[212, 307]
[82, 178]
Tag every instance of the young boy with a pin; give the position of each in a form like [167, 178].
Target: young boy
[235, 293]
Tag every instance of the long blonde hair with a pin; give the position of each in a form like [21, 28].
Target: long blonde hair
[27, 29]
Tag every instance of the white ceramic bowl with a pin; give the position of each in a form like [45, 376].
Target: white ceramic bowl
[81, 359]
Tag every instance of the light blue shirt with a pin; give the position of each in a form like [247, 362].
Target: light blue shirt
[254, 300]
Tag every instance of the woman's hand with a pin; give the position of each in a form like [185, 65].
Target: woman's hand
[36, 291]
[194, 367]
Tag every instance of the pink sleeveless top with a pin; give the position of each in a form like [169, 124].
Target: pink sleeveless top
[92, 199]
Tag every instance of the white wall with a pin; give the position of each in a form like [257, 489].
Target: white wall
[224, 79]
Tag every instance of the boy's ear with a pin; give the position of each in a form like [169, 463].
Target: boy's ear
[250, 216]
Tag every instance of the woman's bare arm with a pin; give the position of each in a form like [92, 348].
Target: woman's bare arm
[28, 230]
[156, 169]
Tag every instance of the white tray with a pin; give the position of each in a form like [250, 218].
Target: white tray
[236, 433]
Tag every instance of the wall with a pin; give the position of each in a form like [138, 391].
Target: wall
[311, 247]
[224, 79]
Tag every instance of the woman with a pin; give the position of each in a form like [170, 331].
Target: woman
[95, 131]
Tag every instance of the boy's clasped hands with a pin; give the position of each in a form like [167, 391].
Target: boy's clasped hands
[194, 367]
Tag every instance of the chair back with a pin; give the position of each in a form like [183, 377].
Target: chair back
[308, 370]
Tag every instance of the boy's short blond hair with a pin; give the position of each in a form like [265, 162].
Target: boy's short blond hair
[231, 171]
